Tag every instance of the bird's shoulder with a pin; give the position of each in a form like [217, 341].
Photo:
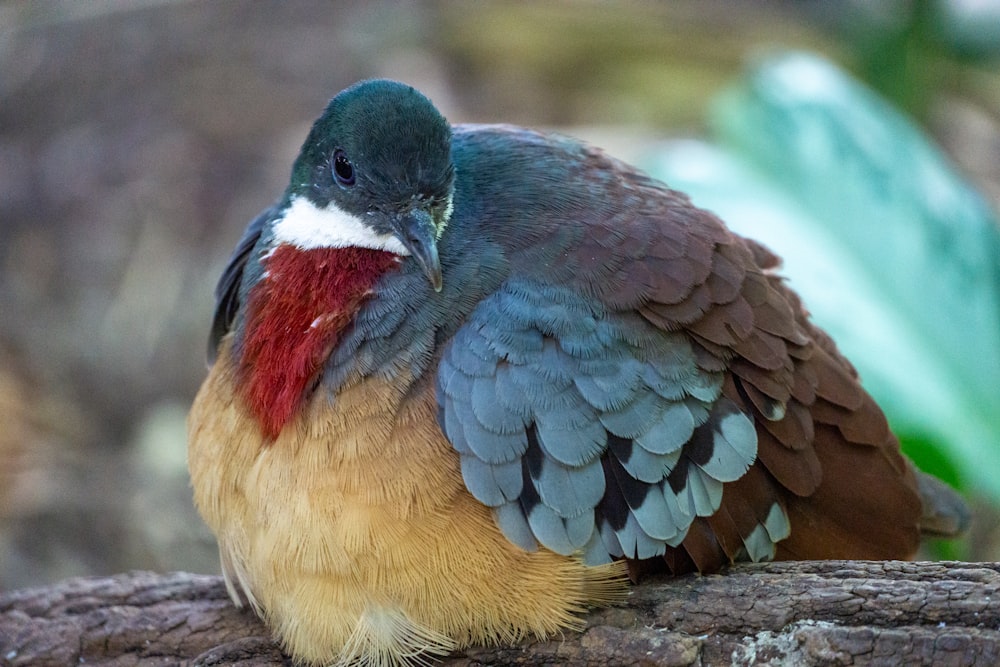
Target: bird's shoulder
[563, 210]
[229, 289]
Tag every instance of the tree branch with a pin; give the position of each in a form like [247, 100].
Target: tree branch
[829, 613]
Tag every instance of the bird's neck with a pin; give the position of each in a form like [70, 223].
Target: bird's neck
[295, 316]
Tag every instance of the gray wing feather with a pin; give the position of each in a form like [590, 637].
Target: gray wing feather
[541, 386]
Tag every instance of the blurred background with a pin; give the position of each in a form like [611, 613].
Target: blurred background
[138, 138]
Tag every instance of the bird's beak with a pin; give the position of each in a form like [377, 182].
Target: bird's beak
[417, 231]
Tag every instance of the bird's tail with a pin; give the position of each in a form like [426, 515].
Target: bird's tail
[945, 513]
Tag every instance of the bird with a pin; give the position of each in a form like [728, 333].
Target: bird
[467, 381]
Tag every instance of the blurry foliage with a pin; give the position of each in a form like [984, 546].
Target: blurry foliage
[893, 252]
[911, 51]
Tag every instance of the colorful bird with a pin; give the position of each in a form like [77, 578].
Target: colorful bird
[467, 378]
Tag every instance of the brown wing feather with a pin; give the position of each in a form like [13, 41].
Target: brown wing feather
[865, 508]
[825, 453]
[849, 491]
[703, 547]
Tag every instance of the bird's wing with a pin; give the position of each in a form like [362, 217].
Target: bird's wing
[669, 398]
[227, 290]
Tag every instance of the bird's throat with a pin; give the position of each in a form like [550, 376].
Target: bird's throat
[295, 317]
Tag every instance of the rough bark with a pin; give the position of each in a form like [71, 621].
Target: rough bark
[812, 613]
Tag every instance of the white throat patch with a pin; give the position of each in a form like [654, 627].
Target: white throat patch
[306, 226]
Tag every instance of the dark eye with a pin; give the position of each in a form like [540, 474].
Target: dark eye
[343, 170]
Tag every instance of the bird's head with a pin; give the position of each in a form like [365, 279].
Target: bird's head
[371, 188]
[375, 172]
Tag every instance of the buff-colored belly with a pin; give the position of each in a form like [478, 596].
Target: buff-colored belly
[353, 535]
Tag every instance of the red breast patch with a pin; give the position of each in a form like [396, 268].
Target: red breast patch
[295, 316]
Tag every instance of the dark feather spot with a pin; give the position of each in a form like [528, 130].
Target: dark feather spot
[531, 469]
[620, 447]
[678, 476]
[612, 507]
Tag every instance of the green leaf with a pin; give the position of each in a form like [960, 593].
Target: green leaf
[893, 253]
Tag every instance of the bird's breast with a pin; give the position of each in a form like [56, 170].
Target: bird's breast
[357, 510]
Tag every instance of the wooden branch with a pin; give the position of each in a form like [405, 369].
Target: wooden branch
[810, 613]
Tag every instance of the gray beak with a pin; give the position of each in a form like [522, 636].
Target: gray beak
[416, 230]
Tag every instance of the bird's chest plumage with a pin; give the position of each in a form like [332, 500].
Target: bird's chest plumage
[315, 498]
[351, 530]
[316, 523]
[349, 465]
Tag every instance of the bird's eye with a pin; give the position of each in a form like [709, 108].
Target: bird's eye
[343, 170]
